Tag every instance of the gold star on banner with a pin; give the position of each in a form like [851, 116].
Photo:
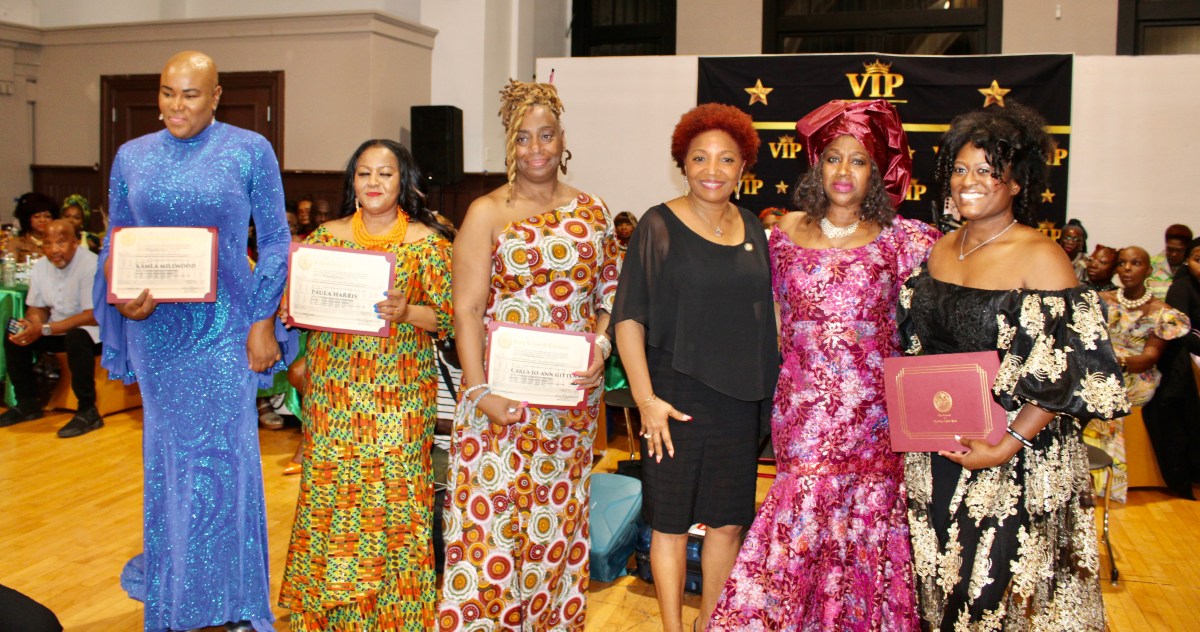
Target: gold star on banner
[1048, 196]
[781, 188]
[911, 151]
[786, 139]
[994, 93]
[758, 93]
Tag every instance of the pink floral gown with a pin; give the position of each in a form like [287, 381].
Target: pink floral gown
[516, 520]
[829, 549]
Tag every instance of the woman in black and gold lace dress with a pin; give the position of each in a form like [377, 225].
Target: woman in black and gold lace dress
[1000, 538]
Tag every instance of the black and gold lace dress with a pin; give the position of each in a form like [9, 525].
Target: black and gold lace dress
[1012, 547]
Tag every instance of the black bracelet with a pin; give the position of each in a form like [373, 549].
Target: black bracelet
[1016, 435]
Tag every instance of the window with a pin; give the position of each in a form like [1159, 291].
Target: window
[622, 27]
[909, 27]
[1158, 27]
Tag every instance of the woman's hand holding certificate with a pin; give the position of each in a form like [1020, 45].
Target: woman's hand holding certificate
[175, 264]
[538, 365]
[337, 289]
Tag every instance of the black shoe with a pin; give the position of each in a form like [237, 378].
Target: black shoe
[15, 415]
[240, 626]
[82, 423]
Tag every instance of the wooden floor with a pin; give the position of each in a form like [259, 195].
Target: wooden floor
[70, 517]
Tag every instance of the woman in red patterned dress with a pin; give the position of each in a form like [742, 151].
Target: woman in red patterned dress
[536, 252]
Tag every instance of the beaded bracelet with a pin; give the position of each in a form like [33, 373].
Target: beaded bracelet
[1016, 435]
[605, 345]
[482, 385]
[649, 400]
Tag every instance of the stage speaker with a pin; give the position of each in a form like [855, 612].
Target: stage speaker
[437, 142]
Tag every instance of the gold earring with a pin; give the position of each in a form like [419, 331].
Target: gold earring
[687, 188]
[160, 116]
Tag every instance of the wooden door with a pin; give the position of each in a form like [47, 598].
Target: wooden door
[129, 108]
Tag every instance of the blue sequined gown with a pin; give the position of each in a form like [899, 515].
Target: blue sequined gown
[205, 553]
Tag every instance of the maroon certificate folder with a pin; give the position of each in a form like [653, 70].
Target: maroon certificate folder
[931, 398]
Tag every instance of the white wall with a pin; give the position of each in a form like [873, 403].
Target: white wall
[49, 13]
[1083, 27]
[1132, 146]
[719, 27]
[1130, 176]
[620, 112]
[480, 45]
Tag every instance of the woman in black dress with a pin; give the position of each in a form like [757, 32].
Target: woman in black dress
[1000, 538]
[695, 326]
[1173, 416]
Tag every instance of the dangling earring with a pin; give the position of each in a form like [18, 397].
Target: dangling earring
[687, 188]
[563, 165]
[357, 206]
[737, 191]
[160, 116]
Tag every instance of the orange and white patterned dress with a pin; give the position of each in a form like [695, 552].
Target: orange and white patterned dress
[516, 521]
[361, 553]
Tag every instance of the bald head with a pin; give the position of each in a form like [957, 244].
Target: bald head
[60, 242]
[189, 93]
[1138, 250]
[192, 61]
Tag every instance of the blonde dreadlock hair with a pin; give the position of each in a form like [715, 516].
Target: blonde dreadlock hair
[515, 100]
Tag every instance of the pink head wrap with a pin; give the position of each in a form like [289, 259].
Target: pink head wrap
[876, 125]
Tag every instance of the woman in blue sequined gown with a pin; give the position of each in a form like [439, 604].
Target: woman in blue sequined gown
[199, 365]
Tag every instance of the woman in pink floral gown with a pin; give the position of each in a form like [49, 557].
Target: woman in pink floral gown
[829, 549]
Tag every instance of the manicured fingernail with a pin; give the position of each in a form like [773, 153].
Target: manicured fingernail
[525, 404]
[689, 417]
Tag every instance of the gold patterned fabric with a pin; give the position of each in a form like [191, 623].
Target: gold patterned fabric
[1012, 547]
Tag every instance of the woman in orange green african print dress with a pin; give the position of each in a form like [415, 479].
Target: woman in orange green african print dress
[361, 554]
[516, 521]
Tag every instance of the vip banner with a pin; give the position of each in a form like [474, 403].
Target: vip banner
[927, 91]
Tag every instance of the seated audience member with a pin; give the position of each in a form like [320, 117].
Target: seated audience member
[1074, 242]
[34, 211]
[321, 213]
[304, 208]
[75, 209]
[623, 225]
[1173, 415]
[293, 221]
[1165, 264]
[770, 217]
[1139, 326]
[58, 318]
[1101, 266]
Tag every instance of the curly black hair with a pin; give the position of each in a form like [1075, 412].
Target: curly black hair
[808, 195]
[1017, 147]
[412, 200]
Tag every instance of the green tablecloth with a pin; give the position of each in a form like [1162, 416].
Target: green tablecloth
[12, 305]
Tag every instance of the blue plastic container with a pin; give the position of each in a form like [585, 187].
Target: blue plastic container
[616, 503]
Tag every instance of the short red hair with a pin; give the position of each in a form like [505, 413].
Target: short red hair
[710, 116]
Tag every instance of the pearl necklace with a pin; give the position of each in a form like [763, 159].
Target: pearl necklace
[963, 255]
[715, 227]
[1133, 303]
[837, 232]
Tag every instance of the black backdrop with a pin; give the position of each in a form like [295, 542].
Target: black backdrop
[927, 91]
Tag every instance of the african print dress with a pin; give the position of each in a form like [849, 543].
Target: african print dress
[1130, 329]
[1012, 547]
[361, 554]
[516, 521]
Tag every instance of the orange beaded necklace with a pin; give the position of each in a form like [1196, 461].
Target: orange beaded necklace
[394, 235]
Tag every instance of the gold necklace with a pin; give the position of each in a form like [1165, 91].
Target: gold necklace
[394, 235]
